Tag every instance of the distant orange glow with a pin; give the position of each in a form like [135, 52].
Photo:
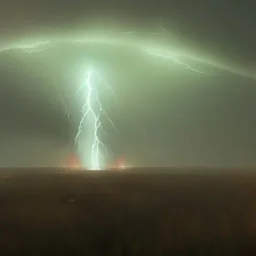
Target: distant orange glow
[119, 163]
[74, 162]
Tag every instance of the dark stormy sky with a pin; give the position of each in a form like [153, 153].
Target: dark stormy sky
[165, 113]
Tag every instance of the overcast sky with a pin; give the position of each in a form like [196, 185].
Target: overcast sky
[165, 113]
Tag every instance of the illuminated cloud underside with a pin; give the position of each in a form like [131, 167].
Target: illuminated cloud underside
[154, 44]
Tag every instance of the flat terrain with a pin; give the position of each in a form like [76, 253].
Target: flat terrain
[155, 211]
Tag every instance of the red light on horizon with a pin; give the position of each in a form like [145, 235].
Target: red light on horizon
[74, 162]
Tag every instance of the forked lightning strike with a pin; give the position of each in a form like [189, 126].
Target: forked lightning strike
[92, 112]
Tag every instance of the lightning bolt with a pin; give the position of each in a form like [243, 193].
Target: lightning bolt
[90, 128]
[167, 55]
[92, 112]
[28, 48]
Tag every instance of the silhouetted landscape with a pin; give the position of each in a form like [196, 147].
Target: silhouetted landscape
[156, 211]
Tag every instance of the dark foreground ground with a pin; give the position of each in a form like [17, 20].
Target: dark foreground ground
[133, 212]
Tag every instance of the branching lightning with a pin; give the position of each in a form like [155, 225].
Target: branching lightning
[90, 128]
[92, 112]
[28, 48]
[167, 55]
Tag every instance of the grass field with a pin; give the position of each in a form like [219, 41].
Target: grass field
[140, 211]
